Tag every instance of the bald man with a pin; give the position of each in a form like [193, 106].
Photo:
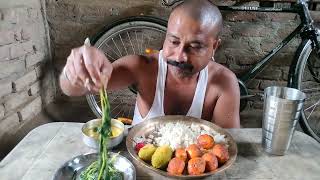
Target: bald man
[182, 79]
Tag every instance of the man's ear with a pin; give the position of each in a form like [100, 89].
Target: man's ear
[216, 44]
[215, 47]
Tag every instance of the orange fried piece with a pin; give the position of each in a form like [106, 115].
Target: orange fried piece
[176, 166]
[150, 51]
[205, 141]
[221, 152]
[181, 153]
[211, 161]
[193, 151]
[125, 120]
[205, 150]
[196, 166]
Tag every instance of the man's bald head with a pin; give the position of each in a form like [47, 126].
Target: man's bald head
[202, 11]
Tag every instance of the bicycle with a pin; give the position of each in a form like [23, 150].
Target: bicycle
[134, 34]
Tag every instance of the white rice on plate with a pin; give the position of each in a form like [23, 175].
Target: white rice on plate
[178, 135]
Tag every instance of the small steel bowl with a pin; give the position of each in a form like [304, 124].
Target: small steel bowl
[92, 140]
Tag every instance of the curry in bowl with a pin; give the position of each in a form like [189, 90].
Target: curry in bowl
[90, 131]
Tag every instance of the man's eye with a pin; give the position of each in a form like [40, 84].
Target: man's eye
[174, 42]
[195, 46]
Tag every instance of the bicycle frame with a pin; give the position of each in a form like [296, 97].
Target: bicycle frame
[305, 27]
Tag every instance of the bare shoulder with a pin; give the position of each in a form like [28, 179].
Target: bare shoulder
[221, 76]
[137, 66]
[133, 62]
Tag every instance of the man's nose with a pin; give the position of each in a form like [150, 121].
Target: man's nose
[181, 55]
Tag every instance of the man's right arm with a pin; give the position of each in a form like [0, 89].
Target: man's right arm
[87, 70]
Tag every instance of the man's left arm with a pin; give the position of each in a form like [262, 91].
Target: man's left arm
[226, 112]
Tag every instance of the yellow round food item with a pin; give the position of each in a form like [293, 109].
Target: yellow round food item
[161, 157]
[115, 131]
[146, 152]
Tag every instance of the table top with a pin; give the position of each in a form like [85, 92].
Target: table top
[49, 146]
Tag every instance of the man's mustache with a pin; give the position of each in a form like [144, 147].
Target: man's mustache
[180, 65]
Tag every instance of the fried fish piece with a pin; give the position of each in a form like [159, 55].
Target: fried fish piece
[196, 166]
[193, 151]
[124, 120]
[221, 152]
[181, 153]
[205, 141]
[211, 161]
[176, 166]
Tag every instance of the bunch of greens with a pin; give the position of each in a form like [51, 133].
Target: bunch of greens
[103, 169]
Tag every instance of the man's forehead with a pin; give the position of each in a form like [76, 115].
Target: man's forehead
[182, 18]
[184, 26]
[198, 37]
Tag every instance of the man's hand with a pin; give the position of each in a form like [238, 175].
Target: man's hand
[87, 70]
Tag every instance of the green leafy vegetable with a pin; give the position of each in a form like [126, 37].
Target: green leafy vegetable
[103, 169]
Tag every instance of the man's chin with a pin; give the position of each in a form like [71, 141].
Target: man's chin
[182, 72]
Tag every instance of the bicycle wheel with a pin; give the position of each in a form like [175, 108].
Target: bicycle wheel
[124, 37]
[308, 82]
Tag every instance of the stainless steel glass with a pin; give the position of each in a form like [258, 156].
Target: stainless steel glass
[281, 112]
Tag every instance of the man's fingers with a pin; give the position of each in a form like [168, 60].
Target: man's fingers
[72, 78]
[95, 90]
[80, 69]
[91, 66]
[106, 71]
[71, 73]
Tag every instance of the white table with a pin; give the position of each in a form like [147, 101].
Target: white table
[47, 147]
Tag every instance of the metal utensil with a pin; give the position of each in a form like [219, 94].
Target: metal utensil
[94, 142]
[282, 109]
[72, 169]
[148, 127]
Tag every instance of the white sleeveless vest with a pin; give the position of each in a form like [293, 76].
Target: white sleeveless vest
[157, 105]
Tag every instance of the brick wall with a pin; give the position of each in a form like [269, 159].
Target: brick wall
[26, 82]
[245, 39]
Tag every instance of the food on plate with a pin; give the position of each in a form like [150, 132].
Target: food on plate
[193, 151]
[181, 153]
[176, 166]
[196, 166]
[221, 152]
[146, 152]
[211, 161]
[205, 141]
[139, 146]
[125, 121]
[182, 149]
[161, 157]
[184, 135]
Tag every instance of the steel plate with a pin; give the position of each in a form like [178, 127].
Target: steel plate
[72, 169]
[148, 127]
